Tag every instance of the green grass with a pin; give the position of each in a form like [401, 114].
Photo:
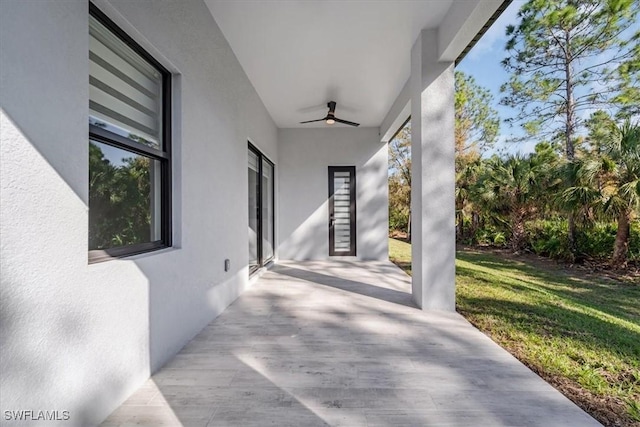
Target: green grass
[400, 254]
[580, 332]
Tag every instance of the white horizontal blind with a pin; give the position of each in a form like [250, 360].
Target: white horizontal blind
[125, 90]
[253, 161]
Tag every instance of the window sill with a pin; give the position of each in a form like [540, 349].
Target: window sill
[103, 255]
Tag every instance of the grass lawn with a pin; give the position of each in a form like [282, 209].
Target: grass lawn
[578, 331]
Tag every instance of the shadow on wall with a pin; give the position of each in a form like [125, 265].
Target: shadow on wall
[303, 191]
[48, 304]
[36, 357]
[77, 337]
[81, 337]
[373, 222]
[207, 301]
[311, 238]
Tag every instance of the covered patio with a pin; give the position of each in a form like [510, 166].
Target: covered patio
[341, 343]
[255, 287]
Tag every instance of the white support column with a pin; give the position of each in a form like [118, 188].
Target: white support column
[432, 176]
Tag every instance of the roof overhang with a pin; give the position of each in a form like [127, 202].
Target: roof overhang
[301, 54]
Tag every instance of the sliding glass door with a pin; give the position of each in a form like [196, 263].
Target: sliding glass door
[254, 211]
[267, 210]
[261, 209]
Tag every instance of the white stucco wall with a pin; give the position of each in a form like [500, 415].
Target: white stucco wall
[81, 337]
[304, 158]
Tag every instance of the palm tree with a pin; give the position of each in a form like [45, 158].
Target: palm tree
[515, 189]
[467, 173]
[505, 191]
[609, 183]
[622, 188]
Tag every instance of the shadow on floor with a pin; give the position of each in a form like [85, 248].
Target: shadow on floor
[316, 344]
[361, 288]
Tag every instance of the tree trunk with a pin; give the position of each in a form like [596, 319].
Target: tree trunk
[569, 131]
[571, 234]
[475, 222]
[460, 227]
[621, 245]
[518, 232]
[571, 103]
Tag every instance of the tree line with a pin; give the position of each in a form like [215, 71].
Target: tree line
[574, 71]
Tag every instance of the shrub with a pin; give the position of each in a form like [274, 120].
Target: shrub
[398, 220]
[489, 235]
[499, 239]
[549, 238]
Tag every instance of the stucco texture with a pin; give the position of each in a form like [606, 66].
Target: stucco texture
[78, 337]
[304, 158]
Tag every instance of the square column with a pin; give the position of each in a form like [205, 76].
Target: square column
[433, 248]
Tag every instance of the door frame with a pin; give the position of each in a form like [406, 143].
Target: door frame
[260, 193]
[352, 210]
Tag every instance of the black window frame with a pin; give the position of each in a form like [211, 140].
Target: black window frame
[162, 155]
[261, 157]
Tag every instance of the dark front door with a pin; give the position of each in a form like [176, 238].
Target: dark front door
[342, 210]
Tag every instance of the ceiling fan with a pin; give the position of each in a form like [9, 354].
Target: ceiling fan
[331, 117]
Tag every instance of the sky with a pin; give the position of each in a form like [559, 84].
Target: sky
[483, 63]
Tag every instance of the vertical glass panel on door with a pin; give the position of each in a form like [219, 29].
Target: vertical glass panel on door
[342, 215]
[267, 211]
[254, 199]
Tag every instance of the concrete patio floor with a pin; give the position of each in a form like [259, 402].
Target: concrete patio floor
[341, 343]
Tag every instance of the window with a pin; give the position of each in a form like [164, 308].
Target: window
[129, 145]
[261, 209]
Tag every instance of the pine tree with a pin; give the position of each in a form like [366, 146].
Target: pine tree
[564, 57]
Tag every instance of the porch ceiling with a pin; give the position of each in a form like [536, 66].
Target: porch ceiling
[301, 54]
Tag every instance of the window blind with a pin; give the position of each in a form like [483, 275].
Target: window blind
[253, 161]
[125, 91]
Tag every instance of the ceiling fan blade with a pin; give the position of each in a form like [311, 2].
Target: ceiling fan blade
[346, 122]
[311, 121]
